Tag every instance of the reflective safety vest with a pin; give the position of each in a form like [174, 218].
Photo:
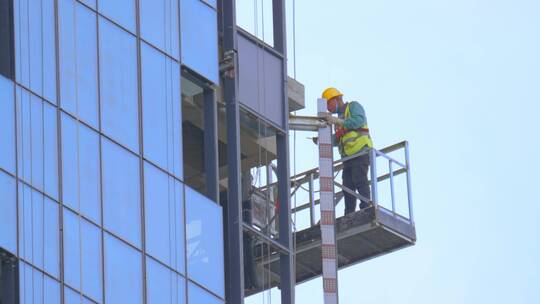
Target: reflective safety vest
[354, 140]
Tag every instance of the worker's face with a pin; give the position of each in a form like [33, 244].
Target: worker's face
[333, 103]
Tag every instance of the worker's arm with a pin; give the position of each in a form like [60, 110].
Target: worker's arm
[357, 116]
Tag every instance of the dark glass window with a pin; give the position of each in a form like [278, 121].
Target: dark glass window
[7, 125]
[8, 277]
[123, 272]
[7, 62]
[162, 115]
[8, 214]
[78, 61]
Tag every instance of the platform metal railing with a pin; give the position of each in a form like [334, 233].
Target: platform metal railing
[306, 181]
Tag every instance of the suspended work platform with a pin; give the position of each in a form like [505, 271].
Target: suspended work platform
[360, 236]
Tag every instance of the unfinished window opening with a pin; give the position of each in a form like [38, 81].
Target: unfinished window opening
[198, 123]
[260, 203]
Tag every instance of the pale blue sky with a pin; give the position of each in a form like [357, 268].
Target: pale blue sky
[459, 79]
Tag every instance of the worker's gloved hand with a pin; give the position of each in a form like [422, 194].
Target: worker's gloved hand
[334, 120]
[315, 140]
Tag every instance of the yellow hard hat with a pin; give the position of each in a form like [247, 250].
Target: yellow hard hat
[331, 93]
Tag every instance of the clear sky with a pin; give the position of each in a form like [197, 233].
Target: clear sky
[459, 79]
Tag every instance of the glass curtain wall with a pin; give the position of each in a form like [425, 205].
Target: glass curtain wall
[96, 204]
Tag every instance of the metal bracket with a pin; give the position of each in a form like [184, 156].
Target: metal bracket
[227, 66]
[306, 123]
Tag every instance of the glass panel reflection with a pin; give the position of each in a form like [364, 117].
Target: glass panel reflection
[164, 197]
[204, 241]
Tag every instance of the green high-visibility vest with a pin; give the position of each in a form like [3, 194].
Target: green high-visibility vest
[354, 140]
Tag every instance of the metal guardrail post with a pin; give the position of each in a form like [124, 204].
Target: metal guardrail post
[311, 201]
[391, 172]
[269, 199]
[409, 194]
[373, 169]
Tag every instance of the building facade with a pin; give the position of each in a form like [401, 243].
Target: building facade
[125, 146]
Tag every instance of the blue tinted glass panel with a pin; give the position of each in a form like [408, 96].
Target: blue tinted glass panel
[71, 296]
[123, 272]
[78, 61]
[199, 38]
[51, 238]
[91, 260]
[8, 215]
[72, 249]
[198, 295]
[35, 46]
[159, 24]
[34, 287]
[80, 168]
[39, 230]
[25, 283]
[90, 3]
[118, 80]
[82, 252]
[163, 285]
[50, 151]
[161, 110]
[121, 11]
[205, 241]
[51, 290]
[121, 192]
[212, 3]
[7, 125]
[37, 143]
[164, 217]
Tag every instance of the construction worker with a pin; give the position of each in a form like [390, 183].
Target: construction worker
[352, 137]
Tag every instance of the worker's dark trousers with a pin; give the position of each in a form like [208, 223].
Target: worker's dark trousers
[355, 177]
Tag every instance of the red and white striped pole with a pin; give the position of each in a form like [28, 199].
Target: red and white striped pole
[328, 232]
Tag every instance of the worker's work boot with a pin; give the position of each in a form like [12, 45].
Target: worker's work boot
[364, 205]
